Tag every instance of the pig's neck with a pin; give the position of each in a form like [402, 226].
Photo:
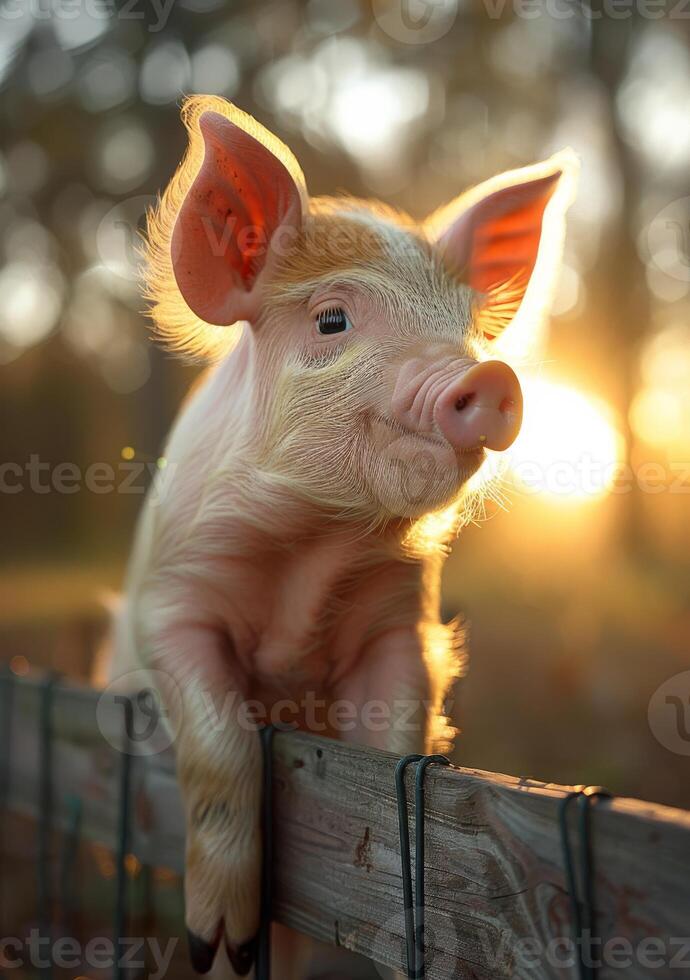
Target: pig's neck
[262, 516]
[303, 605]
[295, 586]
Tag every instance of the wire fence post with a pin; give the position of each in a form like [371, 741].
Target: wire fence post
[121, 916]
[6, 703]
[45, 824]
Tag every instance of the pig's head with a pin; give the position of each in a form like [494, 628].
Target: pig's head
[375, 385]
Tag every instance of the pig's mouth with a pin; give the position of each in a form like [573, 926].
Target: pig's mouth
[411, 473]
[384, 432]
[399, 430]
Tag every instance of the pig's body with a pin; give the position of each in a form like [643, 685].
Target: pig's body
[292, 594]
[291, 608]
[292, 553]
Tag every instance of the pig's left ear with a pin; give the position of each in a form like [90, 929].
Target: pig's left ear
[504, 239]
[245, 203]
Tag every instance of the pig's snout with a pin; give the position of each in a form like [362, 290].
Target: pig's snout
[481, 408]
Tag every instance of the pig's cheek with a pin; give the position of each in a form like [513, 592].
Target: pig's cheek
[408, 478]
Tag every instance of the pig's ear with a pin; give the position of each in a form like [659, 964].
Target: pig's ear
[245, 203]
[504, 238]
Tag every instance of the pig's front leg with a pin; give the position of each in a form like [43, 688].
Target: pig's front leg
[391, 691]
[219, 771]
[388, 694]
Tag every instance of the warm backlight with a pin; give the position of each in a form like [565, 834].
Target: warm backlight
[569, 448]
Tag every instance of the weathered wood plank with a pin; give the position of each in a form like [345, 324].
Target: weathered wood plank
[496, 901]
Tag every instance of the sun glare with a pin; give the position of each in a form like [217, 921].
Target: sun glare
[660, 412]
[569, 449]
[427, 533]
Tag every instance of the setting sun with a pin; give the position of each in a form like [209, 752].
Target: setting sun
[568, 450]
[569, 446]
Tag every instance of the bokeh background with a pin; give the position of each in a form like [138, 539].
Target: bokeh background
[576, 589]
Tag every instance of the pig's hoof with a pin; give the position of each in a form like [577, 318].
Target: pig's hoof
[201, 952]
[241, 957]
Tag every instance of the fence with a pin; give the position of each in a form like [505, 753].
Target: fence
[497, 898]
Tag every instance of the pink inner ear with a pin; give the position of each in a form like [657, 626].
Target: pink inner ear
[240, 196]
[497, 240]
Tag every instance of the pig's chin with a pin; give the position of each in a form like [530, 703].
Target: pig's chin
[412, 473]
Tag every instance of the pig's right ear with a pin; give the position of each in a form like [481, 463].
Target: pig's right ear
[504, 239]
[246, 201]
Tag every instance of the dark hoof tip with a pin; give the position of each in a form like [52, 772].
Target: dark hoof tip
[241, 957]
[201, 952]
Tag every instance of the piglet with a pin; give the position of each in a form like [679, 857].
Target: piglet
[318, 471]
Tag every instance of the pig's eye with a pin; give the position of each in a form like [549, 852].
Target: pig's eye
[331, 321]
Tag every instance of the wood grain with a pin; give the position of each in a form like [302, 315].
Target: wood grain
[496, 899]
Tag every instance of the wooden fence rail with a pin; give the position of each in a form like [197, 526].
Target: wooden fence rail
[496, 898]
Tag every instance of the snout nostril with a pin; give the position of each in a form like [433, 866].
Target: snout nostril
[481, 408]
[463, 401]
